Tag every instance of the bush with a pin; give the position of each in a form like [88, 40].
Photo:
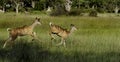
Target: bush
[101, 10]
[75, 12]
[61, 11]
[93, 13]
[21, 9]
[39, 6]
[58, 11]
[29, 9]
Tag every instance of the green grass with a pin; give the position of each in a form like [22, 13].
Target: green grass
[96, 40]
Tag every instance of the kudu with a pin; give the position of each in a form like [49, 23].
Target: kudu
[22, 31]
[61, 32]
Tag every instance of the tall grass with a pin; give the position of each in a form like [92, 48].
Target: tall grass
[96, 40]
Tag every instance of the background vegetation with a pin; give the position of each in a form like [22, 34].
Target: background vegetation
[58, 6]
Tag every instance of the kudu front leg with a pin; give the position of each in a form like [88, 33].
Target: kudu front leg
[62, 42]
[34, 36]
[52, 36]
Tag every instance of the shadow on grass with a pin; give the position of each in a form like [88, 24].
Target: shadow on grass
[35, 52]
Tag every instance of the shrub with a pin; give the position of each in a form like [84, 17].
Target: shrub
[61, 11]
[75, 12]
[101, 10]
[21, 9]
[93, 13]
[58, 11]
[39, 6]
[28, 9]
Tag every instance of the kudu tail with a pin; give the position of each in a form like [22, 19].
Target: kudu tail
[50, 23]
[9, 29]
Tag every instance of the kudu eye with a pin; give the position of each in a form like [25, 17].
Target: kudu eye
[71, 25]
[36, 18]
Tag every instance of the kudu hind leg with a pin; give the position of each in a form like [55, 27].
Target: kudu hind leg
[64, 44]
[9, 39]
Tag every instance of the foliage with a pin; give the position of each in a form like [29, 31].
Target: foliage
[101, 5]
[58, 11]
[93, 13]
[75, 12]
[40, 5]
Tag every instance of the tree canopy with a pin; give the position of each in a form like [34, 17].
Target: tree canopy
[99, 5]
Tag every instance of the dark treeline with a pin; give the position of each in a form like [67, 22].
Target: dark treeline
[101, 6]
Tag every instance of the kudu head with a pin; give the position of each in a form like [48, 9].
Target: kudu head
[37, 21]
[73, 28]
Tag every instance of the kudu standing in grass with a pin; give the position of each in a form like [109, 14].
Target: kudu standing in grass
[59, 31]
[22, 31]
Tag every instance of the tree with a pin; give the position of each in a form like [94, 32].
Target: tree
[17, 6]
[78, 3]
[68, 4]
[16, 3]
[2, 4]
[116, 9]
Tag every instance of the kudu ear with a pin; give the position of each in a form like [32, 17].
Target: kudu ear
[39, 19]
[36, 18]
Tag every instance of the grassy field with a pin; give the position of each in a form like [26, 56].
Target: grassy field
[96, 40]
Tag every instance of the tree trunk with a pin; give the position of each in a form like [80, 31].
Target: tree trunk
[44, 6]
[93, 7]
[3, 9]
[79, 4]
[33, 4]
[116, 10]
[17, 8]
[49, 9]
[68, 5]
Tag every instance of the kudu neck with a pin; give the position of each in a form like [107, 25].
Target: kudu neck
[33, 25]
[72, 30]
